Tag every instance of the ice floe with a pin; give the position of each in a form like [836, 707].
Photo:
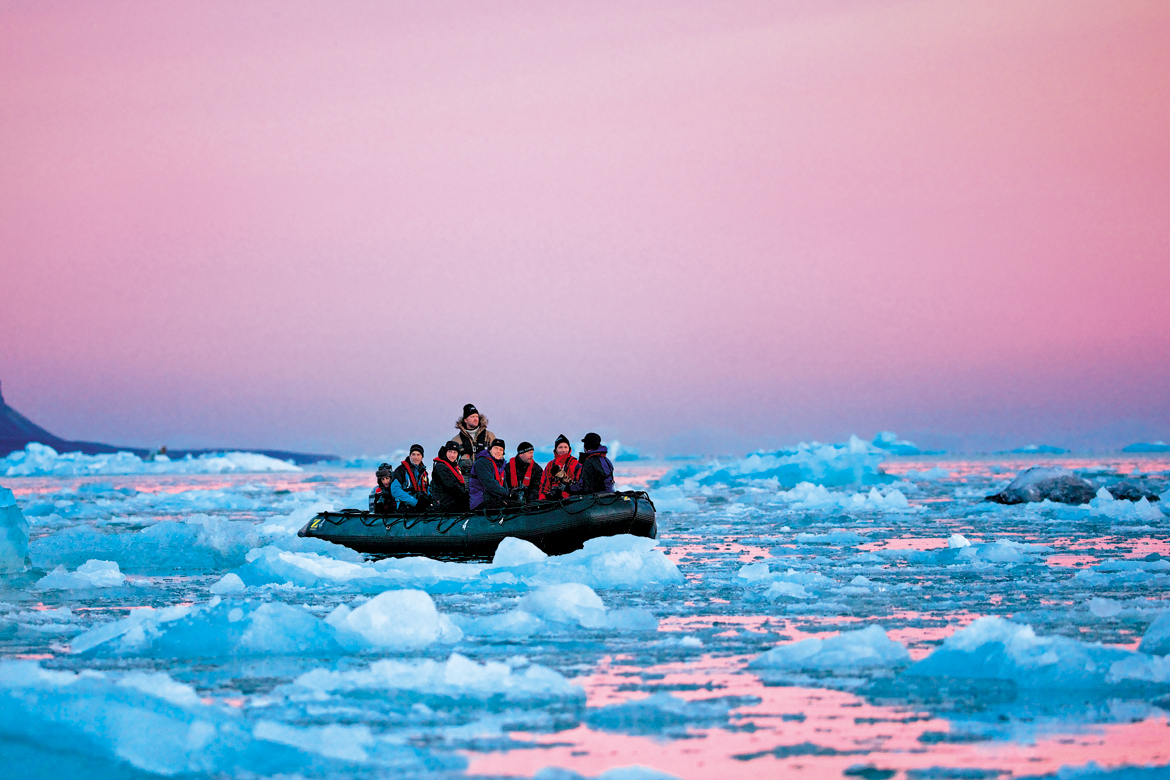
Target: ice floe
[103, 724]
[852, 463]
[91, 574]
[623, 562]
[846, 652]
[41, 460]
[457, 677]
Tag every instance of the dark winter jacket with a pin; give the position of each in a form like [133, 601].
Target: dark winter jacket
[526, 477]
[488, 483]
[448, 486]
[551, 487]
[381, 502]
[473, 441]
[409, 483]
[596, 473]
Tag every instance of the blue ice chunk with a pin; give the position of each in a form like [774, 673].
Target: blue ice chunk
[853, 463]
[998, 649]
[40, 460]
[888, 440]
[219, 629]
[1156, 640]
[457, 677]
[13, 534]
[91, 574]
[145, 721]
[849, 651]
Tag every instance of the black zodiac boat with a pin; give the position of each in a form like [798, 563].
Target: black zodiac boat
[556, 527]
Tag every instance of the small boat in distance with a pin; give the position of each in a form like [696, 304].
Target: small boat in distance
[556, 527]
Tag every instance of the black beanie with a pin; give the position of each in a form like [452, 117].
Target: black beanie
[524, 447]
[417, 448]
[562, 439]
[496, 443]
[468, 410]
[592, 441]
[384, 470]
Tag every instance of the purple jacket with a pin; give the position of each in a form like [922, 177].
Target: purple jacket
[483, 483]
[595, 474]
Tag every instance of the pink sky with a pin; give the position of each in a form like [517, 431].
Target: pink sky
[690, 226]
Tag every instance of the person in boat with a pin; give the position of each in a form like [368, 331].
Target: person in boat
[488, 483]
[596, 472]
[448, 485]
[410, 486]
[560, 472]
[381, 502]
[474, 436]
[524, 474]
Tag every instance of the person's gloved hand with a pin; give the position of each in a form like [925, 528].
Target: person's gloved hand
[424, 501]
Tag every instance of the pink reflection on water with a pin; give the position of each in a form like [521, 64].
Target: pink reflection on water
[844, 728]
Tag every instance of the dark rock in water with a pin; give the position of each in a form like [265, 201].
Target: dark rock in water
[1125, 490]
[1052, 484]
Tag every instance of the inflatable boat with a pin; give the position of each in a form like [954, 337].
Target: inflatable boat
[556, 527]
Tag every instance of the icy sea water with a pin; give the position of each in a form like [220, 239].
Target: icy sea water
[616, 657]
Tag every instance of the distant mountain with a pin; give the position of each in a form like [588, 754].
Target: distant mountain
[16, 431]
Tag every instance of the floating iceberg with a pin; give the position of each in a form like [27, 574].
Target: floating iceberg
[91, 574]
[103, 724]
[40, 460]
[848, 652]
[623, 562]
[807, 496]
[217, 629]
[394, 620]
[458, 677]
[998, 649]
[832, 465]
[1142, 511]
[888, 440]
[13, 534]
[554, 607]
[1156, 640]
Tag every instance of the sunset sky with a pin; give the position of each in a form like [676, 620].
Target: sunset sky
[694, 227]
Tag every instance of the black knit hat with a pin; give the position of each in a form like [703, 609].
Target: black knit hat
[524, 447]
[496, 443]
[417, 448]
[384, 470]
[468, 410]
[562, 439]
[453, 445]
[592, 441]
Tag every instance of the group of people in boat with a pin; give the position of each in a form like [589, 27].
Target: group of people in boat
[471, 472]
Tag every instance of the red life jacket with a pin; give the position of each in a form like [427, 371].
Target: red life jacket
[458, 474]
[413, 479]
[527, 474]
[499, 472]
[569, 463]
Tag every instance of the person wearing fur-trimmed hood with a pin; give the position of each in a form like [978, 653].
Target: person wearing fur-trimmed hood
[474, 436]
